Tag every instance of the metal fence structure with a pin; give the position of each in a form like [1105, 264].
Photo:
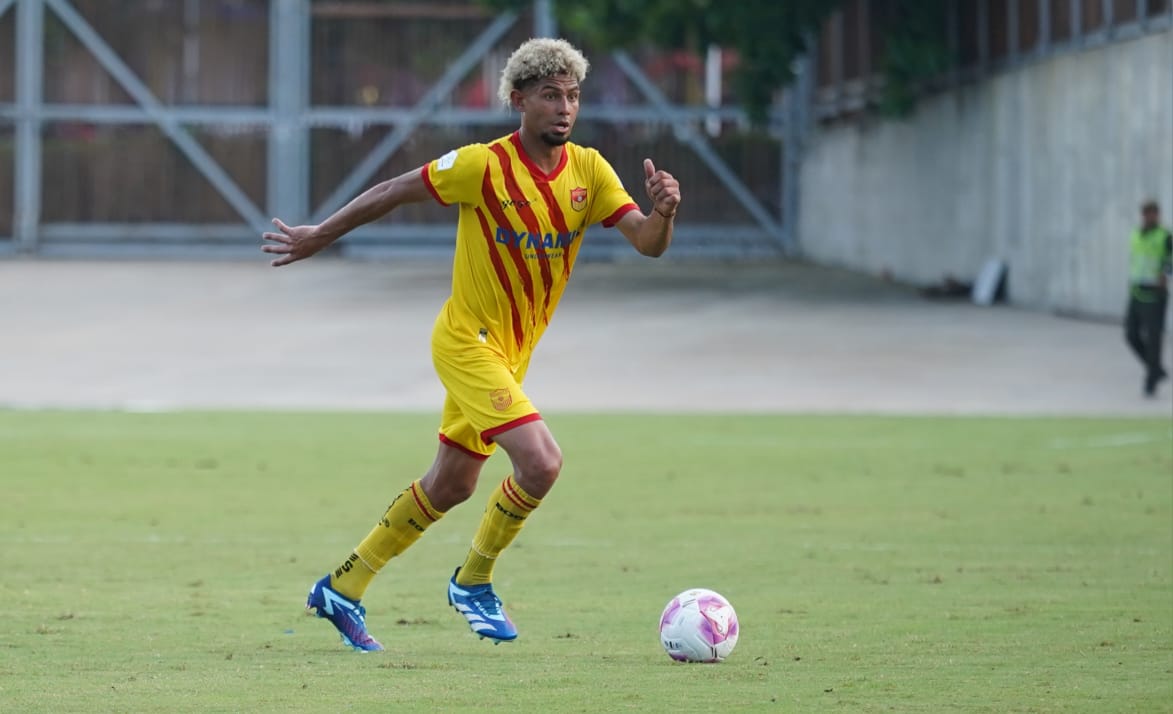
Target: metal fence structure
[185, 138]
[184, 133]
[983, 37]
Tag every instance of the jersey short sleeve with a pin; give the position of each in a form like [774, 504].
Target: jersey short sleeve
[456, 177]
[612, 201]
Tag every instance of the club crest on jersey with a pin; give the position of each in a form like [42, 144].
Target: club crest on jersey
[501, 399]
[578, 197]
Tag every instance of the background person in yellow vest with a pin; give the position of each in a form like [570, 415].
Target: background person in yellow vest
[1151, 258]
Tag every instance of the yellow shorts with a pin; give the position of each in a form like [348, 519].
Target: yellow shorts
[484, 392]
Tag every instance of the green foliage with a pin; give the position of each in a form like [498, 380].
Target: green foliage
[158, 562]
[915, 50]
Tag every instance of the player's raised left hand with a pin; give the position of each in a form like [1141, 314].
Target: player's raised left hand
[663, 189]
[293, 243]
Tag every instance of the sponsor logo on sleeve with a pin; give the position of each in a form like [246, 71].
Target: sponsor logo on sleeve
[446, 161]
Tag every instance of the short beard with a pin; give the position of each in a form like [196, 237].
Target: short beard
[554, 139]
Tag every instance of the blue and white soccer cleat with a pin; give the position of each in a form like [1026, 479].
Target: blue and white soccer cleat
[347, 616]
[482, 608]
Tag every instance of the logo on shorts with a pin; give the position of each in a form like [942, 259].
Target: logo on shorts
[501, 399]
[578, 198]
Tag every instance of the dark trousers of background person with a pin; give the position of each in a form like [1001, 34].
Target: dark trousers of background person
[1144, 329]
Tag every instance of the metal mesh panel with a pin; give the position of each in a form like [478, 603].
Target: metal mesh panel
[135, 174]
[1093, 15]
[7, 61]
[118, 166]
[853, 23]
[825, 65]
[1060, 20]
[194, 52]
[998, 35]
[1028, 25]
[970, 41]
[1123, 11]
[6, 178]
[72, 74]
[365, 55]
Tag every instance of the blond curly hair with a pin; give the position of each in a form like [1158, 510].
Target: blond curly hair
[537, 59]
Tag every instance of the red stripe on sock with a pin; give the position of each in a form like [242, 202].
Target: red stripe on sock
[511, 491]
[420, 502]
[516, 503]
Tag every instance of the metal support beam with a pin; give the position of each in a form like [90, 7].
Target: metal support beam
[797, 102]
[289, 86]
[1044, 39]
[688, 135]
[953, 20]
[836, 56]
[983, 30]
[131, 114]
[342, 117]
[1012, 35]
[864, 35]
[30, 37]
[419, 113]
[139, 92]
[1075, 7]
[545, 24]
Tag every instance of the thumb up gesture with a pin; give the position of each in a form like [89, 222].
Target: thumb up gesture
[662, 188]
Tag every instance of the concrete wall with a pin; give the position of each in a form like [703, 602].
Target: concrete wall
[1043, 166]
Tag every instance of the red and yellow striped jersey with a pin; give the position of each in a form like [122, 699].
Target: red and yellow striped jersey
[519, 232]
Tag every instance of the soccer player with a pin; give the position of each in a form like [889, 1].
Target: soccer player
[525, 201]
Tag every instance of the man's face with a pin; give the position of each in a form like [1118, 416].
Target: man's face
[549, 108]
[1150, 217]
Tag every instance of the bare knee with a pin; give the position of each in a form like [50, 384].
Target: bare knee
[452, 478]
[538, 474]
[536, 458]
[448, 488]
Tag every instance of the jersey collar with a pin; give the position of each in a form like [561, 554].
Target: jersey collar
[515, 139]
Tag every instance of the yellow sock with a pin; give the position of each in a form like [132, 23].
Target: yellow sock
[405, 521]
[508, 508]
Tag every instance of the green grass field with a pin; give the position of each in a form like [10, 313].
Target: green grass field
[160, 562]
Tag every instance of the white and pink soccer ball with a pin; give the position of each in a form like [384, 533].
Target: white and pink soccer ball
[698, 626]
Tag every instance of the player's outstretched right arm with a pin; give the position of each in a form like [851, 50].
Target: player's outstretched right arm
[295, 243]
